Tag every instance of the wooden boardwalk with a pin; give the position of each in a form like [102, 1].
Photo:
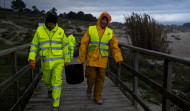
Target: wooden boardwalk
[73, 98]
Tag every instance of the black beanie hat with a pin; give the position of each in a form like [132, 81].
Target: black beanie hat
[51, 18]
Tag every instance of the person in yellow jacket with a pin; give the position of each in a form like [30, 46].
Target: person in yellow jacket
[96, 42]
[72, 42]
[52, 44]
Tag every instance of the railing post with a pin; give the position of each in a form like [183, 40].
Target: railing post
[31, 72]
[39, 66]
[167, 83]
[14, 71]
[118, 73]
[135, 82]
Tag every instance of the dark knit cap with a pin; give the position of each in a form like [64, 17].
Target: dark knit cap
[52, 18]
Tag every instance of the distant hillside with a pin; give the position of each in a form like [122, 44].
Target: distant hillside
[16, 31]
[185, 26]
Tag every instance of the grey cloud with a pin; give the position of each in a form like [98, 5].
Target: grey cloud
[117, 8]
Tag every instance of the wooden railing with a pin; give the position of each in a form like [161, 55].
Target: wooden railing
[165, 90]
[13, 80]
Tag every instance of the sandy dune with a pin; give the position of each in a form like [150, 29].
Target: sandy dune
[180, 43]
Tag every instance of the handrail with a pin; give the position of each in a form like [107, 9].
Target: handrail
[164, 90]
[17, 74]
[8, 51]
[158, 54]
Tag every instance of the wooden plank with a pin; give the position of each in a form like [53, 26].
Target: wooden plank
[73, 98]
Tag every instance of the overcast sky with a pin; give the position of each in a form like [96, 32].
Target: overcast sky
[163, 11]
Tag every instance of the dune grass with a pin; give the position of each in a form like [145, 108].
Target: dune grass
[145, 32]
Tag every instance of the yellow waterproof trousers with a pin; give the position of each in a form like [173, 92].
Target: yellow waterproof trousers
[95, 76]
[71, 52]
[53, 80]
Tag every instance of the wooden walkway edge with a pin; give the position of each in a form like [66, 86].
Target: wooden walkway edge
[73, 98]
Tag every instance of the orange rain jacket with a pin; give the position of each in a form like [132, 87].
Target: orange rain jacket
[94, 57]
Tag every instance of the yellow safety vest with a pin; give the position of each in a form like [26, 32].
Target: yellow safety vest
[95, 41]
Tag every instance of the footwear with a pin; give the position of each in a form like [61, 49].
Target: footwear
[99, 102]
[55, 109]
[88, 95]
[49, 94]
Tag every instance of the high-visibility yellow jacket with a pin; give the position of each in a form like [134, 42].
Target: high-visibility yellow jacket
[51, 45]
[95, 42]
[94, 58]
[72, 42]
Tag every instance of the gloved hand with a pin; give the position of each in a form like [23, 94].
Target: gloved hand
[119, 63]
[65, 64]
[32, 64]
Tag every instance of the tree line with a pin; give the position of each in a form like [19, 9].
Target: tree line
[20, 6]
[143, 30]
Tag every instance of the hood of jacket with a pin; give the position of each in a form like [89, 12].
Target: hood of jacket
[104, 14]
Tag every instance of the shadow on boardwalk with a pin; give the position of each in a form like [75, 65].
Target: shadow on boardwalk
[73, 98]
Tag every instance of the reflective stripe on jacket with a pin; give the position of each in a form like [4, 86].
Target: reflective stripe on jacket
[45, 42]
[52, 45]
[95, 41]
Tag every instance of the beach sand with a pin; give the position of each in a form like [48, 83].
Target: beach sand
[180, 43]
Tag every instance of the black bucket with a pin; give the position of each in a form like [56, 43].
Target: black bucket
[74, 73]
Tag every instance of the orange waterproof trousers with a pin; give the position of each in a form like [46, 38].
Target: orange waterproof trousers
[95, 76]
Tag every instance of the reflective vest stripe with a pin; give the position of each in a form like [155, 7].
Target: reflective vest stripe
[56, 99]
[57, 42]
[56, 48]
[51, 59]
[94, 42]
[36, 45]
[49, 41]
[64, 45]
[44, 48]
[102, 43]
[33, 51]
[67, 53]
[56, 87]
[104, 49]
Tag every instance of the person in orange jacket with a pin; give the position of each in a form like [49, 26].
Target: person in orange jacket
[96, 42]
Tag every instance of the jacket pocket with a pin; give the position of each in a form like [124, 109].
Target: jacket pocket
[43, 52]
[57, 52]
